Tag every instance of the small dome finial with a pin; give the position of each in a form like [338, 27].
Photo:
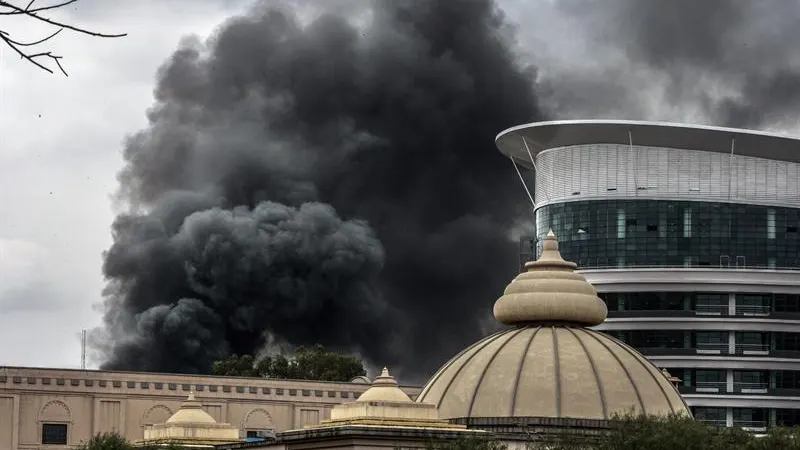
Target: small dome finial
[550, 291]
[550, 257]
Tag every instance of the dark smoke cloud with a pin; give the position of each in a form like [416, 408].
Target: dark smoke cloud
[320, 183]
[725, 62]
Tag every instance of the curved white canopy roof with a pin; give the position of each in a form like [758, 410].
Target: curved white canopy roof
[544, 135]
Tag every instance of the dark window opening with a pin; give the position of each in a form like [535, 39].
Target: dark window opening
[791, 229]
[652, 227]
[630, 222]
[54, 433]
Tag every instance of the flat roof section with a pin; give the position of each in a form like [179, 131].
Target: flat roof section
[563, 133]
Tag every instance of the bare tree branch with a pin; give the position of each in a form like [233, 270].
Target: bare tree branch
[7, 8]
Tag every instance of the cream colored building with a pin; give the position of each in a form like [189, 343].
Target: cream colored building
[384, 417]
[39, 405]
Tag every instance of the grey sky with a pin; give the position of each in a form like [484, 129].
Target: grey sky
[60, 138]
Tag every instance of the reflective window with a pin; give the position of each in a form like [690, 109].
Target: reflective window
[627, 233]
[787, 379]
[787, 417]
[54, 433]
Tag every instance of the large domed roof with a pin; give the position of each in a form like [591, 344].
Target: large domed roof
[550, 371]
[549, 365]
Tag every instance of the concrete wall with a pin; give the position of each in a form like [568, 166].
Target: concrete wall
[92, 402]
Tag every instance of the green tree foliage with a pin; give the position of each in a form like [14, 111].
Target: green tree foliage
[106, 441]
[113, 441]
[471, 443]
[307, 364]
[652, 433]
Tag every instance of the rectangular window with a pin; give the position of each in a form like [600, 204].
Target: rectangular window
[687, 222]
[54, 433]
[770, 224]
[620, 224]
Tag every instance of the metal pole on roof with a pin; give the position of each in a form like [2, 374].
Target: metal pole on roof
[83, 349]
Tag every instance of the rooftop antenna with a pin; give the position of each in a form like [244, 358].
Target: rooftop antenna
[83, 349]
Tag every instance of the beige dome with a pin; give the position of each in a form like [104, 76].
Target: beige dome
[384, 389]
[549, 365]
[550, 371]
[191, 412]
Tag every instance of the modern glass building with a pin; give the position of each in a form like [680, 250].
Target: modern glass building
[691, 236]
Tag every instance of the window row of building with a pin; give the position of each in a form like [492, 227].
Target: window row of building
[627, 233]
[748, 418]
[736, 381]
[741, 343]
[711, 303]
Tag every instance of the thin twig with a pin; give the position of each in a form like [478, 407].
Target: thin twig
[9, 9]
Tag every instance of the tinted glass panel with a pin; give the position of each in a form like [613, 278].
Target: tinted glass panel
[629, 233]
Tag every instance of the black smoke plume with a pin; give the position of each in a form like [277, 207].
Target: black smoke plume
[321, 182]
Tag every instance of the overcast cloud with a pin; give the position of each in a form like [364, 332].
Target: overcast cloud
[721, 62]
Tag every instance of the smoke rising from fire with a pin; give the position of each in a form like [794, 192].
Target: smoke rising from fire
[335, 181]
[320, 183]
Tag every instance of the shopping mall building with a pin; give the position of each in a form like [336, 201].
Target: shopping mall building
[690, 235]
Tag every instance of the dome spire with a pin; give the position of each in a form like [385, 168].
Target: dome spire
[550, 291]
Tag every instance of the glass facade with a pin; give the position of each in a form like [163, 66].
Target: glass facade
[741, 343]
[630, 304]
[630, 233]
